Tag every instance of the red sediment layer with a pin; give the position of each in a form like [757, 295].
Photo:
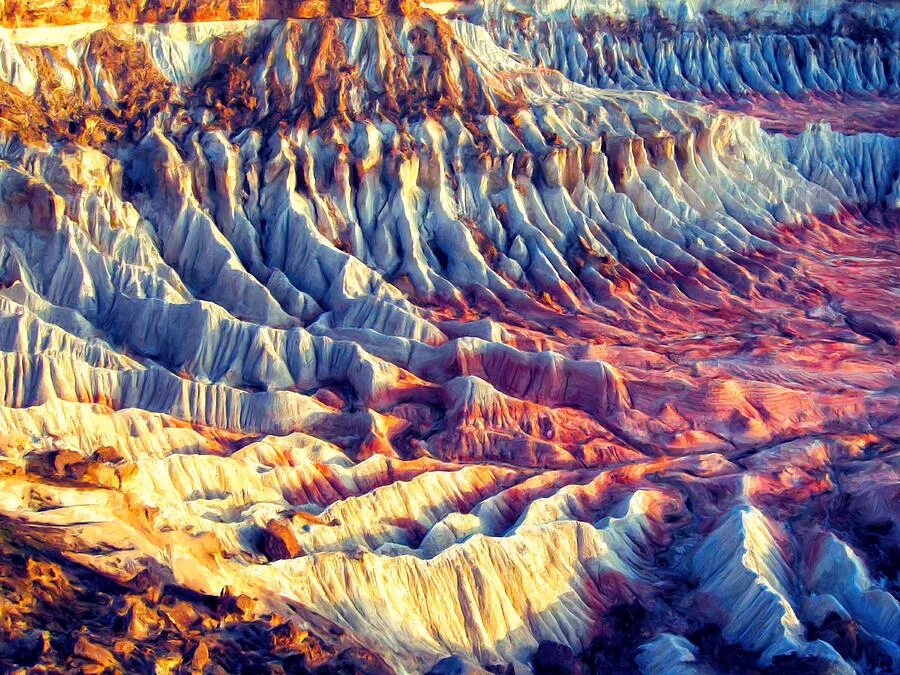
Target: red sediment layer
[846, 114]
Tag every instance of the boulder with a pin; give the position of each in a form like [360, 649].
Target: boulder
[95, 653]
[108, 454]
[63, 459]
[279, 541]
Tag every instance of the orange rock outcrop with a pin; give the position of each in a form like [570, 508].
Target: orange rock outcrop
[25, 13]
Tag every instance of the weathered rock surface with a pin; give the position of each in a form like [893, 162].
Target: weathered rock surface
[58, 614]
[336, 336]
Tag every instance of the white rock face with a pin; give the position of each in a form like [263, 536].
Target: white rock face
[669, 654]
[742, 568]
[784, 12]
[839, 572]
[506, 354]
[707, 49]
[860, 169]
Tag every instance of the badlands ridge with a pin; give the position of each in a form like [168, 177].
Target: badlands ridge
[378, 337]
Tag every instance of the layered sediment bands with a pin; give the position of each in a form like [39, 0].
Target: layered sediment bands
[432, 353]
[692, 52]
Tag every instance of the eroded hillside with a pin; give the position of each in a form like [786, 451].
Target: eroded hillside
[371, 343]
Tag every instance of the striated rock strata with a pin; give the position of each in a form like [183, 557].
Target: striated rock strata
[336, 336]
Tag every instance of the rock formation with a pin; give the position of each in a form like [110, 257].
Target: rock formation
[386, 337]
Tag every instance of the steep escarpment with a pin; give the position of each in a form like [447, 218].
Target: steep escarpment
[371, 344]
[786, 63]
[234, 75]
[707, 56]
[692, 50]
[30, 13]
[51, 621]
[862, 168]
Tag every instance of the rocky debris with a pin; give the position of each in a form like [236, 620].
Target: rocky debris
[99, 657]
[287, 636]
[199, 657]
[163, 626]
[25, 648]
[181, 615]
[231, 605]
[484, 356]
[28, 13]
[141, 621]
